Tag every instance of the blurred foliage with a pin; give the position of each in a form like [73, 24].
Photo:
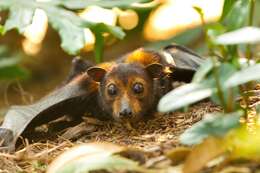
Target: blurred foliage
[9, 68]
[63, 19]
[230, 71]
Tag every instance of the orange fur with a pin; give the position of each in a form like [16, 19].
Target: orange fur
[142, 57]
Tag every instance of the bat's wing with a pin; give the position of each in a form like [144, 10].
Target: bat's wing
[184, 62]
[69, 99]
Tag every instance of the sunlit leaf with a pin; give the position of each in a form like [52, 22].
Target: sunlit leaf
[69, 26]
[212, 125]
[184, 96]
[20, 17]
[248, 74]
[244, 143]
[246, 35]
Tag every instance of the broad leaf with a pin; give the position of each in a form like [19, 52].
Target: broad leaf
[243, 76]
[20, 17]
[69, 26]
[212, 125]
[246, 35]
[184, 96]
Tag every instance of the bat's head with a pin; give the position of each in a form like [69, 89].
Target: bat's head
[127, 89]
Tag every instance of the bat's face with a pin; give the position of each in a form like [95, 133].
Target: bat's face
[126, 92]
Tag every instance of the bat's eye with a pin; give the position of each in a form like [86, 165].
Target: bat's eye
[138, 88]
[112, 89]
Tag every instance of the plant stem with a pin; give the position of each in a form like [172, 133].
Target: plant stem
[211, 53]
[99, 45]
[250, 23]
[218, 85]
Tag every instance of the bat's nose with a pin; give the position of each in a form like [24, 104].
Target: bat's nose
[125, 113]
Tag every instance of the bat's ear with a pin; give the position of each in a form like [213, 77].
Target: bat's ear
[96, 73]
[155, 70]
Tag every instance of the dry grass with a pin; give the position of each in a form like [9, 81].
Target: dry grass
[154, 136]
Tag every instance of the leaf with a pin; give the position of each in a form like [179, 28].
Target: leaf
[228, 4]
[184, 96]
[13, 72]
[177, 155]
[111, 163]
[248, 74]
[246, 35]
[244, 143]
[206, 151]
[10, 61]
[225, 70]
[20, 17]
[203, 70]
[237, 16]
[93, 156]
[81, 4]
[211, 125]
[69, 26]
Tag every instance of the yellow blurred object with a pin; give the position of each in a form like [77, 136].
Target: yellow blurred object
[176, 16]
[35, 33]
[89, 40]
[127, 19]
[31, 48]
[98, 15]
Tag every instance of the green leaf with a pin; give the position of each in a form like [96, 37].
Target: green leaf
[212, 125]
[184, 96]
[101, 27]
[243, 76]
[1, 30]
[69, 26]
[20, 17]
[13, 72]
[7, 62]
[246, 35]
[81, 4]
[111, 163]
[228, 4]
[202, 72]
[237, 16]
